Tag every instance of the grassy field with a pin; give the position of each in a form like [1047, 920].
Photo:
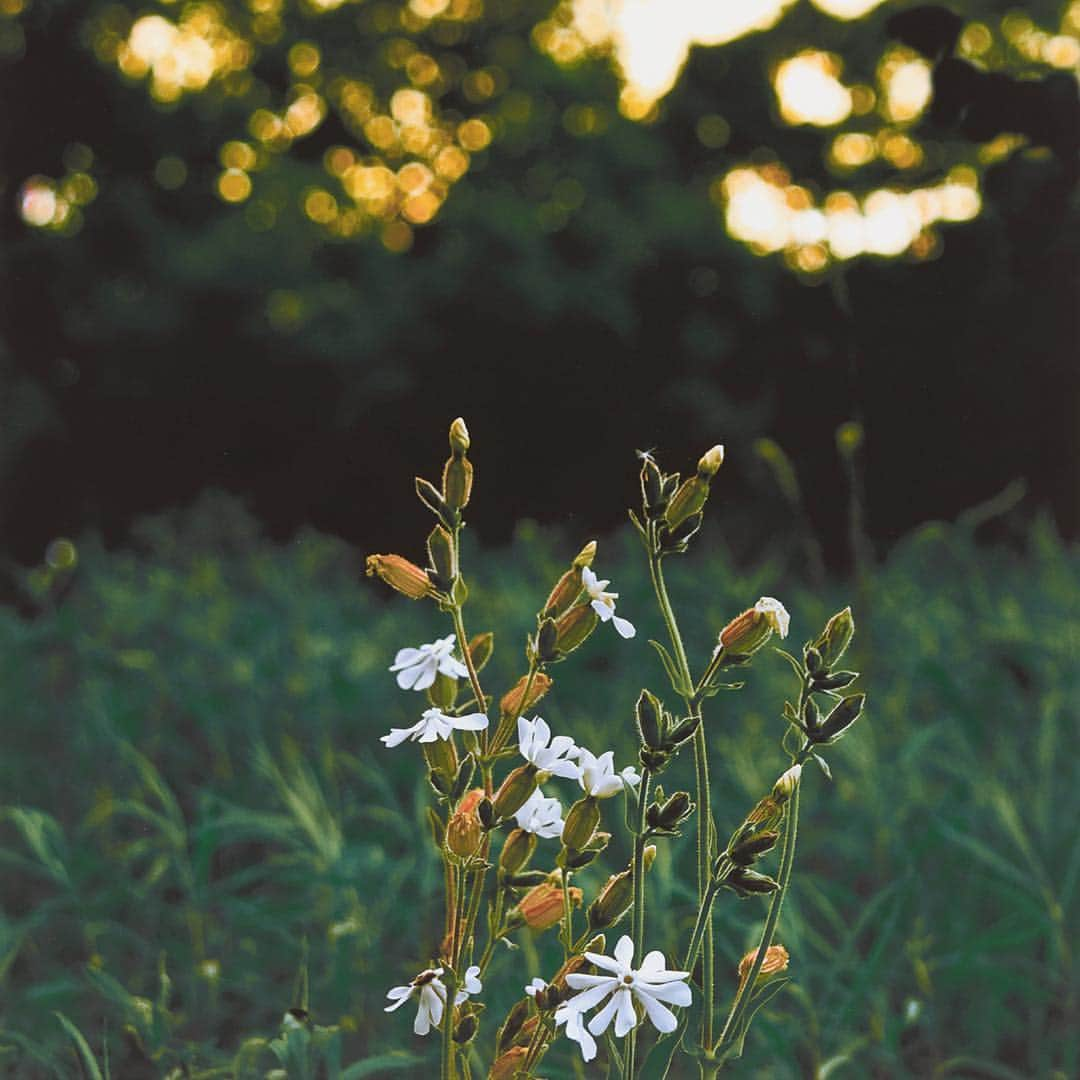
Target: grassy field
[200, 829]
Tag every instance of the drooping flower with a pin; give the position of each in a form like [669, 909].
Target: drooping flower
[541, 815]
[775, 613]
[416, 668]
[435, 724]
[776, 960]
[535, 986]
[546, 753]
[603, 603]
[651, 985]
[598, 776]
[431, 991]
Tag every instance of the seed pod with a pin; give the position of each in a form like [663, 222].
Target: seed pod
[653, 500]
[613, 901]
[542, 906]
[745, 851]
[649, 714]
[509, 1064]
[841, 718]
[465, 1028]
[746, 633]
[401, 574]
[547, 642]
[515, 704]
[750, 883]
[440, 547]
[689, 500]
[480, 649]
[512, 1025]
[836, 681]
[573, 627]
[776, 960]
[675, 810]
[515, 791]
[581, 822]
[457, 483]
[442, 693]
[441, 757]
[517, 850]
[568, 587]
[463, 831]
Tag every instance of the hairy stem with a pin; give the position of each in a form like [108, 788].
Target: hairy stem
[638, 879]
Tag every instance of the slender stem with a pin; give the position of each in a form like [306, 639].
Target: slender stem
[568, 915]
[447, 1072]
[451, 902]
[463, 644]
[787, 860]
[504, 730]
[638, 879]
[704, 801]
[703, 920]
[494, 935]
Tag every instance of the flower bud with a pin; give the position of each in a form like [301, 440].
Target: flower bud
[687, 502]
[517, 850]
[515, 704]
[785, 786]
[457, 482]
[746, 633]
[776, 960]
[512, 1025]
[709, 464]
[840, 719]
[674, 811]
[442, 693]
[515, 790]
[581, 822]
[480, 649]
[750, 883]
[613, 901]
[653, 499]
[574, 626]
[768, 813]
[459, 437]
[836, 681]
[465, 1028]
[463, 831]
[542, 906]
[650, 719]
[509, 1064]
[835, 638]
[747, 849]
[575, 964]
[441, 757]
[547, 641]
[401, 574]
[440, 546]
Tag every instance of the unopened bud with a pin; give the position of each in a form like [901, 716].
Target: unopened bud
[675, 810]
[650, 716]
[401, 574]
[547, 641]
[542, 906]
[515, 790]
[509, 1064]
[512, 1025]
[746, 850]
[441, 757]
[459, 437]
[750, 883]
[785, 785]
[485, 811]
[840, 719]
[440, 546]
[465, 1028]
[581, 822]
[442, 693]
[776, 960]
[514, 703]
[480, 649]
[613, 901]
[457, 482]
[836, 681]
[574, 626]
[836, 637]
[463, 831]
[584, 557]
[653, 499]
[517, 850]
[687, 501]
[709, 464]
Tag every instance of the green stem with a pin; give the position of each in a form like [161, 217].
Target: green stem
[638, 879]
[703, 920]
[568, 915]
[704, 801]
[787, 860]
[447, 1072]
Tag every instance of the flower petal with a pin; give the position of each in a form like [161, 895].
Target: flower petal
[427, 675]
[623, 627]
[566, 769]
[601, 961]
[422, 1023]
[399, 735]
[626, 1018]
[674, 993]
[605, 611]
[578, 981]
[592, 996]
[407, 677]
[663, 1019]
[599, 1023]
[470, 722]
[397, 995]
[624, 950]
[406, 658]
[472, 981]
[607, 786]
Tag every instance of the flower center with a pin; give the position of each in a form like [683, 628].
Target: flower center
[628, 979]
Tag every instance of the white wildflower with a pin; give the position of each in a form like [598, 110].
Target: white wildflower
[603, 603]
[435, 724]
[416, 668]
[546, 753]
[775, 613]
[535, 987]
[598, 776]
[541, 815]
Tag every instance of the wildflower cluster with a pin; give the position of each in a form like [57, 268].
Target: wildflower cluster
[511, 847]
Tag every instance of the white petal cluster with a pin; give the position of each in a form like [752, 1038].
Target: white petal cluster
[541, 815]
[603, 603]
[431, 991]
[435, 724]
[651, 986]
[775, 613]
[416, 668]
[598, 776]
[535, 987]
[551, 755]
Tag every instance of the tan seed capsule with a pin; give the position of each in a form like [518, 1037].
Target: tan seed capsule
[542, 906]
[776, 960]
[463, 832]
[400, 574]
[574, 627]
[515, 704]
[515, 790]
[508, 1065]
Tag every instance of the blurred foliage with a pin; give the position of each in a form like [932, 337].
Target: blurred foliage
[209, 207]
[196, 807]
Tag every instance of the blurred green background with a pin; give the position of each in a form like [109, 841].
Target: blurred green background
[258, 253]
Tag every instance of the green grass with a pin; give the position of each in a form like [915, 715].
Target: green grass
[199, 828]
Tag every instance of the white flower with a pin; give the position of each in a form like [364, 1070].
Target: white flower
[435, 724]
[546, 753]
[603, 603]
[650, 985]
[541, 815]
[417, 668]
[432, 993]
[535, 986]
[598, 776]
[775, 614]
